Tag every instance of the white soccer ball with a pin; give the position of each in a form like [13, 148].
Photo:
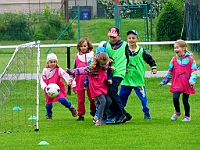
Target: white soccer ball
[52, 90]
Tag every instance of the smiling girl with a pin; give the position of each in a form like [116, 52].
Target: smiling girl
[183, 73]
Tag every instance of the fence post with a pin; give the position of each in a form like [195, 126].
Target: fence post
[68, 66]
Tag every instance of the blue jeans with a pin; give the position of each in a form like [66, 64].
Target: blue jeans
[125, 91]
[63, 101]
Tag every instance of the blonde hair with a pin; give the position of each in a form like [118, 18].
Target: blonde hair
[100, 60]
[81, 41]
[182, 44]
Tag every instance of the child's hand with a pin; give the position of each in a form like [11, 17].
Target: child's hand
[110, 60]
[112, 68]
[70, 82]
[45, 89]
[67, 70]
[74, 90]
[154, 71]
[109, 81]
[160, 84]
[192, 85]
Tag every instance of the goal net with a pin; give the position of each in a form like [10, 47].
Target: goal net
[19, 90]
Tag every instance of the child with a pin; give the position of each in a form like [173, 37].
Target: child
[84, 55]
[135, 74]
[52, 73]
[97, 78]
[183, 72]
[117, 50]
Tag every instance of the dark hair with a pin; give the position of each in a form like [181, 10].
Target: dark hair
[117, 29]
[81, 41]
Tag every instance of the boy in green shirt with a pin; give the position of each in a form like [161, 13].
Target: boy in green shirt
[135, 74]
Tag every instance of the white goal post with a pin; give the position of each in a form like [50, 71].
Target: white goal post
[19, 90]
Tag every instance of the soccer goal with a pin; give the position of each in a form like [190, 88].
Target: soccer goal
[19, 90]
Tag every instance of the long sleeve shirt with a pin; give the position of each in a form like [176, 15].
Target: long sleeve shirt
[48, 73]
[183, 60]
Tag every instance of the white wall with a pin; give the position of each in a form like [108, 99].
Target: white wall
[38, 5]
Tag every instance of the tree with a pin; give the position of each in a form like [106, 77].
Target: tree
[192, 22]
[170, 21]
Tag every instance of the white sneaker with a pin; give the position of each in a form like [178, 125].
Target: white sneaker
[99, 123]
[95, 119]
[186, 118]
[175, 116]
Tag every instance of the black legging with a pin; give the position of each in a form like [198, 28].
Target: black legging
[176, 96]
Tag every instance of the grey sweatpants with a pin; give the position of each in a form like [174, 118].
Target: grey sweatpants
[103, 105]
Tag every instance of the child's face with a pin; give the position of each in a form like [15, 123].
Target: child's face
[52, 63]
[132, 39]
[179, 50]
[114, 40]
[84, 47]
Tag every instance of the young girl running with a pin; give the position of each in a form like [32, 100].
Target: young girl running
[52, 73]
[183, 72]
[84, 55]
[97, 79]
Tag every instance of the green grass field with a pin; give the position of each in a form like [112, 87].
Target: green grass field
[65, 133]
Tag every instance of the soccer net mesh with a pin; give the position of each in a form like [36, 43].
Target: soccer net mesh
[19, 90]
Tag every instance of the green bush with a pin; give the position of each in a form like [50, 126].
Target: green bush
[170, 22]
[39, 36]
[52, 29]
[55, 22]
[69, 35]
[14, 27]
[35, 26]
[45, 28]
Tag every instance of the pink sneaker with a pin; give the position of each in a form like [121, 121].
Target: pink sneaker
[175, 116]
[186, 118]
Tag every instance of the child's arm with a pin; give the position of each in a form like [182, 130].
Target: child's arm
[42, 83]
[168, 76]
[193, 76]
[110, 75]
[63, 74]
[150, 61]
[86, 83]
[79, 71]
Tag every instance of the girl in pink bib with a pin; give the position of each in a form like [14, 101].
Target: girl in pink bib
[183, 73]
[52, 73]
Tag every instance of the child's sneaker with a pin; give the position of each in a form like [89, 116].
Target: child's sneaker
[80, 118]
[175, 116]
[186, 118]
[73, 111]
[109, 121]
[49, 117]
[95, 119]
[128, 117]
[99, 123]
[147, 117]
